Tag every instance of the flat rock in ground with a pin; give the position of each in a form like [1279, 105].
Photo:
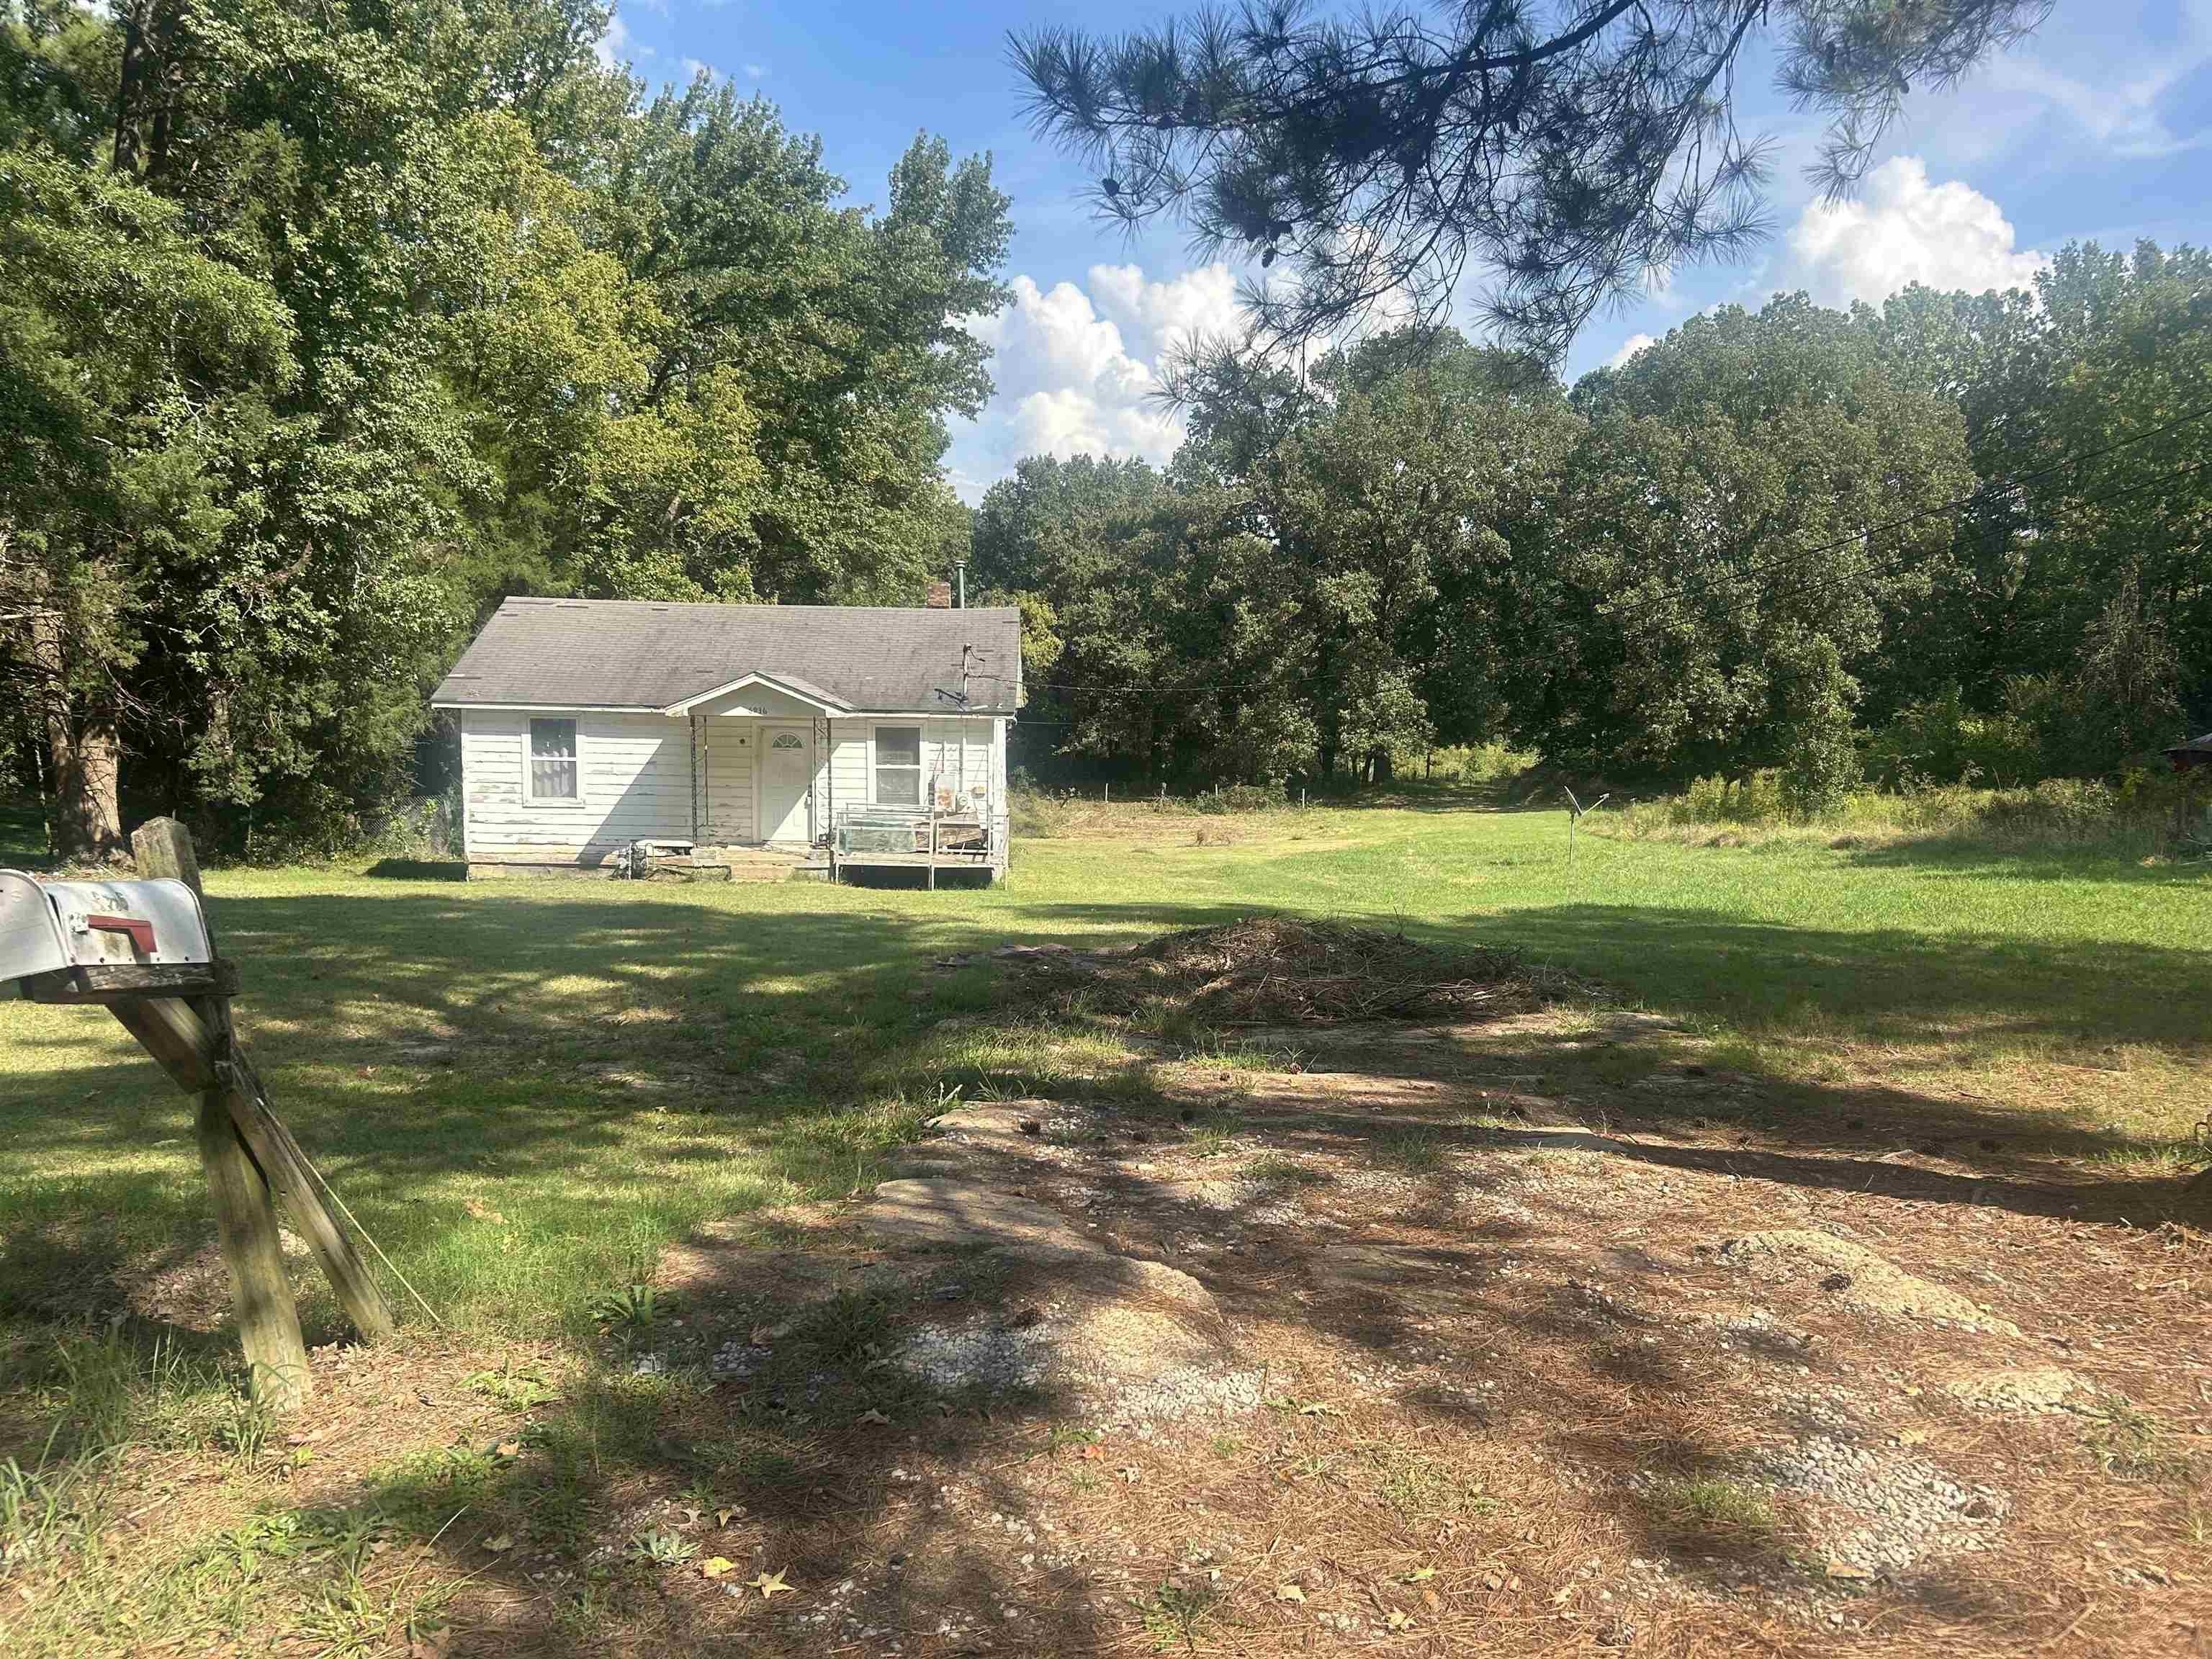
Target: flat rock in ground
[1024, 1118]
[931, 1162]
[1125, 1335]
[1095, 1272]
[949, 1210]
[1867, 1280]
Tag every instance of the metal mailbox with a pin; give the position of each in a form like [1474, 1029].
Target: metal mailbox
[49, 925]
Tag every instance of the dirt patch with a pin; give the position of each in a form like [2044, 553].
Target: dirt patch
[1858, 1276]
[1280, 970]
[952, 1211]
[1359, 1343]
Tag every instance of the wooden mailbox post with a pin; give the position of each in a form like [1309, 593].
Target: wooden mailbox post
[181, 1013]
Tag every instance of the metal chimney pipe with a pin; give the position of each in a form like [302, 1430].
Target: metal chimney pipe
[960, 584]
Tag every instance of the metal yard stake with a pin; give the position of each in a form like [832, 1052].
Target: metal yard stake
[1575, 810]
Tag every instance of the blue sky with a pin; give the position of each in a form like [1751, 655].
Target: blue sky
[2099, 127]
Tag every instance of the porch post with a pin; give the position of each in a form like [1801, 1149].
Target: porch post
[817, 807]
[698, 743]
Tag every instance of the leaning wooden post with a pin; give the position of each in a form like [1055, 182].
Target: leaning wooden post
[244, 1219]
[284, 1166]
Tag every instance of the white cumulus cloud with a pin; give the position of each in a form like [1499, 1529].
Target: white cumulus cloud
[1901, 229]
[1628, 348]
[613, 46]
[1075, 368]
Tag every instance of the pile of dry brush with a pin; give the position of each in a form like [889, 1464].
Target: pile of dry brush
[1278, 970]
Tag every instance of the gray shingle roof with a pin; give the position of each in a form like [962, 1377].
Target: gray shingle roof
[628, 654]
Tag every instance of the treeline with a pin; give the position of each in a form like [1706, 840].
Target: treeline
[322, 326]
[1962, 537]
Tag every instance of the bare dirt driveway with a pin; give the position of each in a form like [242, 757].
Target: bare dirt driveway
[1373, 1335]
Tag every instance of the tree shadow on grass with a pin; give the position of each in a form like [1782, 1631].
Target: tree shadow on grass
[22, 832]
[421, 1036]
[1884, 983]
[2025, 859]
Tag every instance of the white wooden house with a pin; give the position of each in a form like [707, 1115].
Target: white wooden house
[823, 735]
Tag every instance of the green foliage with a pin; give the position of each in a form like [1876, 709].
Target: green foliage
[1940, 741]
[1566, 151]
[1822, 763]
[1306, 593]
[662, 1549]
[517, 1387]
[1174, 1614]
[631, 1310]
[2130, 820]
[2132, 1445]
[1711, 1504]
[391, 310]
[1785, 541]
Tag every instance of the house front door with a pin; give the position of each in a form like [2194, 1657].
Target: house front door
[787, 773]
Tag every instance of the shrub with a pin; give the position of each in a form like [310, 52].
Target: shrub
[1822, 761]
[2132, 818]
[1755, 799]
[1941, 740]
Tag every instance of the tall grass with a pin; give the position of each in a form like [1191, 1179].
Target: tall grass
[2133, 819]
[1038, 815]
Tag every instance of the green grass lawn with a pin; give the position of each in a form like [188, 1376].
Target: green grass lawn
[22, 833]
[527, 1089]
[604, 1065]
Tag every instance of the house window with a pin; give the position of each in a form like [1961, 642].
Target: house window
[786, 740]
[898, 766]
[553, 760]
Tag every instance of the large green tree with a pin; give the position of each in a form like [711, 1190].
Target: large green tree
[1309, 589]
[1755, 514]
[329, 325]
[2084, 598]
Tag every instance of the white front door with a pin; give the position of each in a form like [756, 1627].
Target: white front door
[787, 773]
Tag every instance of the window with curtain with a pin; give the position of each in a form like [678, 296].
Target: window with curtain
[898, 766]
[553, 760]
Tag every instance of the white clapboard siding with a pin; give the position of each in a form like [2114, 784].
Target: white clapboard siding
[841, 779]
[729, 790]
[634, 782]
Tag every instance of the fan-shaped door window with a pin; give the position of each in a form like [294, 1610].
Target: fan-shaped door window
[787, 767]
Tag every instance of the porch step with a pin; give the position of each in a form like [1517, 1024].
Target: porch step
[765, 863]
[683, 869]
[767, 870]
